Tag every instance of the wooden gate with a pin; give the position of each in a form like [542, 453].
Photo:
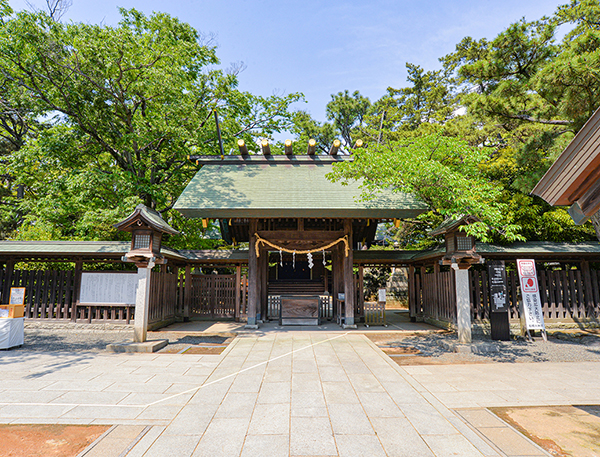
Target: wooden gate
[213, 296]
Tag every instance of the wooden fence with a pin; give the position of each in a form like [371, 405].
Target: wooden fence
[213, 296]
[566, 294]
[49, 294]
[52, 295]
[165, 297]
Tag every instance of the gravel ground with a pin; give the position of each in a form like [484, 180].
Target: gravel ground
[434, 348]
[563, 346]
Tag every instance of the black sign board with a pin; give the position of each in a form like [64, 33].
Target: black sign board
[497, 277]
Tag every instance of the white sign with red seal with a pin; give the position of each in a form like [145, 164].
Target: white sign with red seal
[531, 309]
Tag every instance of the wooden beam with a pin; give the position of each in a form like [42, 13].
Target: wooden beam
[242, 147]
[335, 147]
[288, 147]
[312, 147]
[293, 235]
[589, 202]
[265, 148]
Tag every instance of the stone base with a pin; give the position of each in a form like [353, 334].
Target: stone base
[475, 348]
[251, 327]
[147, 346]
[349, 326]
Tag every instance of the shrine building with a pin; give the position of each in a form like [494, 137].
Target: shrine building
[301, 227]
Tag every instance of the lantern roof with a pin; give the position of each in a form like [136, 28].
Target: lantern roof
[142, 217]
[452, 225]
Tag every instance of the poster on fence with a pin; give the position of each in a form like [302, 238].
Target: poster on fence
[531, 308]
[108, 288]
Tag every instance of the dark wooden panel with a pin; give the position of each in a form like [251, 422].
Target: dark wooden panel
[299, 307]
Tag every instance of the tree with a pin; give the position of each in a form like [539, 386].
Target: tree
[523, 95]
[131, 103]
[305, 128]
[443, 172]
[427, 100]
[347, 111]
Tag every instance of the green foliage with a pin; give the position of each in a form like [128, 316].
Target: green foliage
[347, 111]
[305, 128]
[443, 172]
[516, 100]
[427, 100]
[375, 279]
[130, 103]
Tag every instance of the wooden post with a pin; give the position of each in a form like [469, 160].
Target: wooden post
[348, 261]
[421, 302]
[252, 277]
[259, 289]
[263, 266]
[361, 290]
[288, 148]
[244, 294]
[8, 277]
[76, 289]
[337, 276]
[238, 289]
[187, 296]
[436, 294]
[590, 304]
[411, 293]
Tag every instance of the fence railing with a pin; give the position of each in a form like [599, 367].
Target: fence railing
[566, 294]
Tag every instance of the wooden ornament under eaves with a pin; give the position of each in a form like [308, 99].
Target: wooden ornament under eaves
[147, 228]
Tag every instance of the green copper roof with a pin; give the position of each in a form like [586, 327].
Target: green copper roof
[92, 249]
[285, 189]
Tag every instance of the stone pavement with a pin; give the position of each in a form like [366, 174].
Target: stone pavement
[286, 394]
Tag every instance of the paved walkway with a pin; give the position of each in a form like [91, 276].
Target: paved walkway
[282, 394]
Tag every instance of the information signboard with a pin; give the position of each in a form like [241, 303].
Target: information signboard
[108, 288]
[531, 307]
[499, 321]
[497, 275]
[17, 296]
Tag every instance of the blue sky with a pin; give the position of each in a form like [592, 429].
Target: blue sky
[320, 47]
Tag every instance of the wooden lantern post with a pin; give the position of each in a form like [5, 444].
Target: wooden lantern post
[460, 255]
[146, 227]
